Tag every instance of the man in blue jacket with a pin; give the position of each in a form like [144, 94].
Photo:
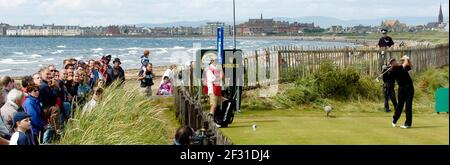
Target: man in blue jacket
[32, 107]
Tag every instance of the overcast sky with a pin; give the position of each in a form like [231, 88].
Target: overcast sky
[104, 12]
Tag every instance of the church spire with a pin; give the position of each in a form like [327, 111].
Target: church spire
[441, 16]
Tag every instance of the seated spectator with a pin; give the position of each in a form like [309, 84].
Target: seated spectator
[166, 87]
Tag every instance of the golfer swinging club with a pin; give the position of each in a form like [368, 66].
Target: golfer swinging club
[405, 90]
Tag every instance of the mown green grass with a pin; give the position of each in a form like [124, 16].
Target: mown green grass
[308, 127]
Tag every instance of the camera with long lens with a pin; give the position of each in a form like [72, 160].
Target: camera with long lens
[203, 136]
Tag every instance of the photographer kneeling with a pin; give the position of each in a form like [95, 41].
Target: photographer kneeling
[183, 136]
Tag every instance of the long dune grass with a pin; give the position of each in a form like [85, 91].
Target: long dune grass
[122, 117]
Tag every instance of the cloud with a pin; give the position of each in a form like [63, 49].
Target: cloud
[7, 4]
[101, 12]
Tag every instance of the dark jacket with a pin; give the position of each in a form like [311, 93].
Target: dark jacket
[402, 76]
[118, 74]
[385, 42]
[110, 77]
[388, 78]
[72, 88]
[148, 78]
[46, 96]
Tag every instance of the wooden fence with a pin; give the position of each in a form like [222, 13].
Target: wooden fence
[286, 63]
[189, 111]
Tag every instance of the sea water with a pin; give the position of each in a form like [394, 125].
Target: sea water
[20, 56]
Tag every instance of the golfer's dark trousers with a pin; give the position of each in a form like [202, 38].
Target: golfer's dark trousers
[389, 93]
[405, 96]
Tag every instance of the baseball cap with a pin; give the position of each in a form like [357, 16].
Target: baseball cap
[19, 116]
[384, 31]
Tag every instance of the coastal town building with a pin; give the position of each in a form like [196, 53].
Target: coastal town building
[256, 27]
[112, 31]
[182, 31]
[210, 29]
[133, 30]
[3, 28]
[93, 31]
[336, 29]
[393, 25]
[44, 30]
[297, 28]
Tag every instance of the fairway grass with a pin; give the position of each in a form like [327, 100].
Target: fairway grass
[282, 127]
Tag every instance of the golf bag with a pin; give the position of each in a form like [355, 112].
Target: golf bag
[225, 112]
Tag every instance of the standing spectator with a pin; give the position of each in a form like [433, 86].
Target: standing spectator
[95, 74]
[57, 76]
[83, 88]
[52, 70]
[32, 106]
[213, 82]
[70, 69]
[118, 72]
[109, 71]
[37, 79]
[385, 41]
[146, 78]
[27, 80]
[8, 85]
[388, 88]
[105, 68]
[11, 107]
[72, 87]
[65, 111]
[46, 96]
[91, 63]
[22, 125]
